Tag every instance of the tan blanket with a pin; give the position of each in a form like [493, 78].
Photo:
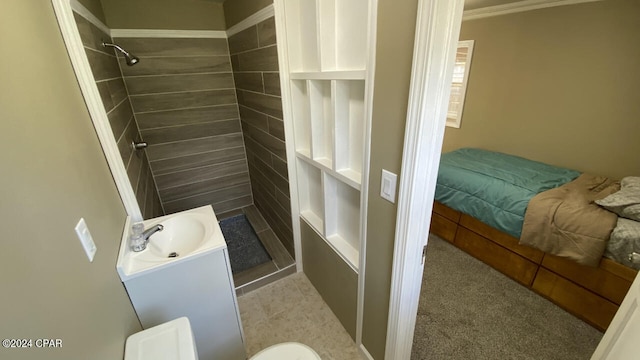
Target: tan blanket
[566, 222]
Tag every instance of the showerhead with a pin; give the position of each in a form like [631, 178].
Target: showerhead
[129, 58]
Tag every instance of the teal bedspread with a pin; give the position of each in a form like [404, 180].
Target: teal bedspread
[495, 188]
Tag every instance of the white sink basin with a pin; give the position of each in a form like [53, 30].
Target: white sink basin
[186, 234]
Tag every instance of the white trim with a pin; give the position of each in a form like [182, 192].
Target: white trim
[364, 182]
[258, 17]
[85, 13]
[518, 6]
[82, 69]
[283, 61]
[157, 33]
[437, 30]
[364, 353]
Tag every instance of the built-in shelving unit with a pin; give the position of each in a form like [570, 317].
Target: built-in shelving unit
[327, 76]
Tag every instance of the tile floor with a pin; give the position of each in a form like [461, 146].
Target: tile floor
[291, 309]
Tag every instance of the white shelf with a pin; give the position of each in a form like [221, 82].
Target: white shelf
[349, 118]
[301, 114]
[347, 252]
[321, 120]
[329, 75]
[345, 176]
[336, 40]
[342, 218]
[310, 190]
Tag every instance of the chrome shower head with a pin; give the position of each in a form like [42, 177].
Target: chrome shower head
[129, 58]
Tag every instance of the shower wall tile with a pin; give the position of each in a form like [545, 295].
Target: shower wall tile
[222, 200]
[119, 117]
[195, 175]
[246, 39]
[187, 132]
[276, 128]
[272, 83]
[191, 147]
[180, 192]
[198, 160]
[149, 47]
[130, 135]
[152, 120]
[103, 66]
[267, 32]
[262, 59]
[274, 145]
[183, 95]
[249, 81]
[113, 93]
[252, 117]
[177, 83]
[92, 37]
[177, 65]
[267, 104]
[189, 99]
[254, 58]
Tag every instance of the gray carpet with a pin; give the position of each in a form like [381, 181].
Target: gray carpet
[245, 249]
[468, 310]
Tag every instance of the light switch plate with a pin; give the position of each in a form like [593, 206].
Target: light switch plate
[388, 185]
[85, 239]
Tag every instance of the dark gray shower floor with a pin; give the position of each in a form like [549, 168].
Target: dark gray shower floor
[245, 249]
[281, 264]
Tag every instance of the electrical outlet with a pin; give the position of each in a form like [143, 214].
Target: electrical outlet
[85, 239]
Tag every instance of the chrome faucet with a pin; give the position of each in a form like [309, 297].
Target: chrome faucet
[139, 238]
[150, 231]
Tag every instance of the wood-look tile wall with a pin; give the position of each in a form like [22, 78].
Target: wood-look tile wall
[183, 97]
[113, 92]
[254, 58]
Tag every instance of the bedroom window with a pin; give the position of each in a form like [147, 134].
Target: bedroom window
[459, 82]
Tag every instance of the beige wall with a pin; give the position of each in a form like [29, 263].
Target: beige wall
[558, 85]
[95, 6]
[394, 53]
[238, 10]
[165, 14]
[54, 173]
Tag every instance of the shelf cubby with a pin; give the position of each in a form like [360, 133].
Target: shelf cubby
[310, 195]
[321, 122]
[302, 35]
[302, 116]
[343, 36]
[349, 128]
[335, 41]
[342, 219]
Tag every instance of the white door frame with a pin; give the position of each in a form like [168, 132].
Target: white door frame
[437, 31]
[64, 13]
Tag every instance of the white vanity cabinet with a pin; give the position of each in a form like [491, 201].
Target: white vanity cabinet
[198, 286]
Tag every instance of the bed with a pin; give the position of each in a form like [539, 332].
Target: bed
[536, 223]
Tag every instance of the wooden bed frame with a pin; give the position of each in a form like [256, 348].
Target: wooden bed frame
[592, 294]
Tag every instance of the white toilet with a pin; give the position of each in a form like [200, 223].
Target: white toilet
[174, 340]
[288, 350]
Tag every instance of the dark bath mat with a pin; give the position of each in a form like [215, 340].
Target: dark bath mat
[245, 249]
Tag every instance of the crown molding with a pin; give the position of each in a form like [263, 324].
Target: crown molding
[155, 33]
[516, 7]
